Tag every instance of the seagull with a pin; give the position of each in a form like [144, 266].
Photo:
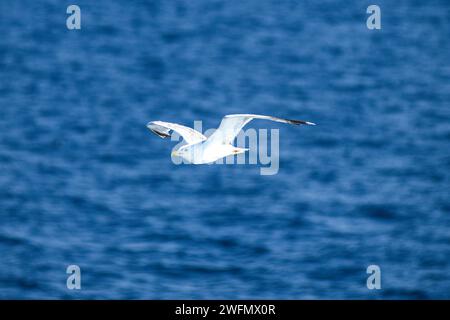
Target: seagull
[200, 149]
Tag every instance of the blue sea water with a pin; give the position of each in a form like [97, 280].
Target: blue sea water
[83, 181]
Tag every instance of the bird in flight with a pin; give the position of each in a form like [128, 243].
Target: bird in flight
[200, 149]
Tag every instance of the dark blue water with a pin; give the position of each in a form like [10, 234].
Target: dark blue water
[83, 181]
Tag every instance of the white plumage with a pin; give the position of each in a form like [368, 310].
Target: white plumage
[199, 149]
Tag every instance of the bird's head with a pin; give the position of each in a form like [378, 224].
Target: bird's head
[187, 152]
[181, 152]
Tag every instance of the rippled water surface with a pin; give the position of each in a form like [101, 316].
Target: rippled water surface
[83, 181]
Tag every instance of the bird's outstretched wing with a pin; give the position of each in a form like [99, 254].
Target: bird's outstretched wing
[233, 123]
[163, 129]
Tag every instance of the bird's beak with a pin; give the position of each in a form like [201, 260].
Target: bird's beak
[174, 153]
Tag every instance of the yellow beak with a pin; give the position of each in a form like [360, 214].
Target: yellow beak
[174, 153]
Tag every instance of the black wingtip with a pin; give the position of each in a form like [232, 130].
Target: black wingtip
[299, 122]
[155, 128]
[160, 134]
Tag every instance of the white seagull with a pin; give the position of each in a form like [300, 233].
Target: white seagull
[200, 149]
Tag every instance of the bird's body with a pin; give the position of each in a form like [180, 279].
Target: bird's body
[200, 149]
[205, 152]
